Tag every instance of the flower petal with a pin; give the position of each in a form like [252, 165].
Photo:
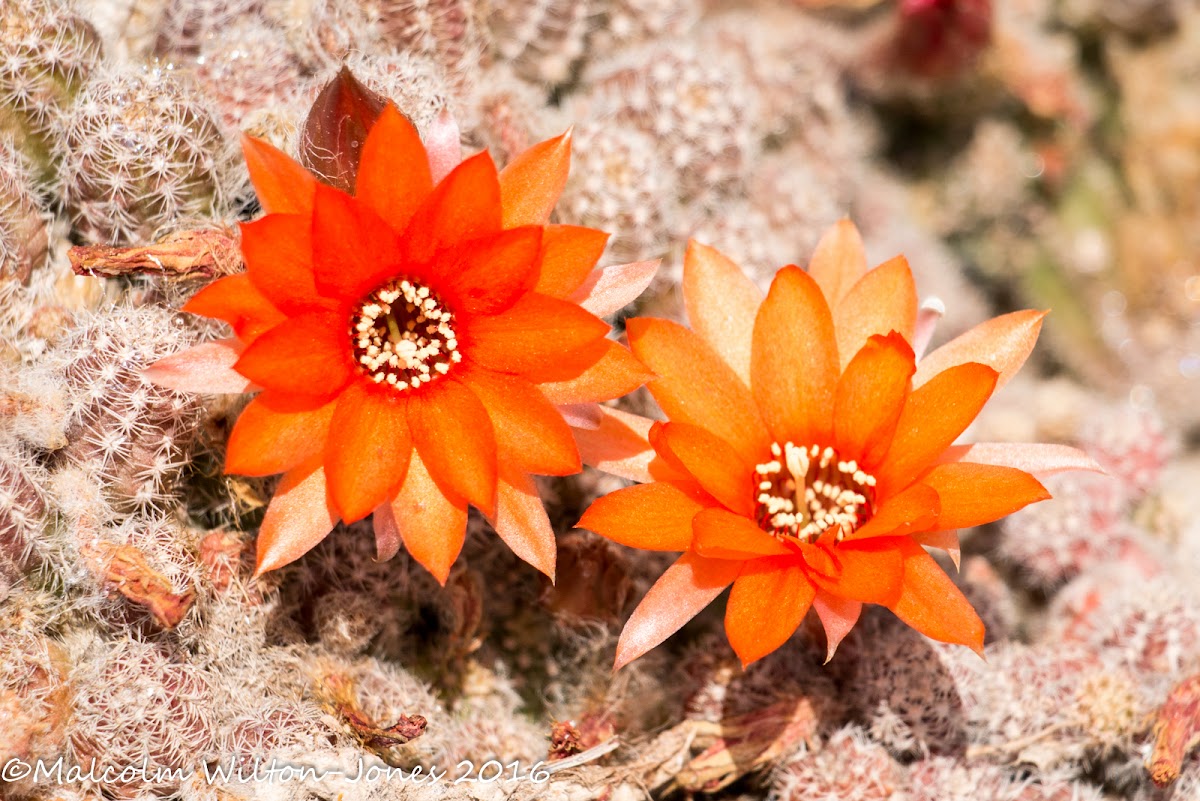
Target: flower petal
[299, 516]
[530, 432]
[532, 182]
[653, 517]
[522, 523]
[354, 250]
[929, 314]
[838, 262]
[838, 616]
[946, 540]
[721, 534]
[569, 254]
[466, 205]
[282, 185]
[610, 289]
[279, 260]
[696, 386]
[870, 396]
[974, 494]
[206, 369]
[882, 301]
[768, 602]
[540, 337]
[794, 359]
[932, 419]
[387, 533]
[721, 303]
[369, 447]
[914, 509]
[238, 302]
[393, 172]
[713, 463]
[931, 603]
[307, 355]
[869, 571]
[680, 593]
[431, 521]
[488, 275]
[443, 145]
[1036, 459]
[619, 446]
[614, 374]
[453, 433]
[581, 415]
[1003, 343]
[273, 434]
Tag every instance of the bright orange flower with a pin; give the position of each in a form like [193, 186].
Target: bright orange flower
[417, 344]
[808, 457]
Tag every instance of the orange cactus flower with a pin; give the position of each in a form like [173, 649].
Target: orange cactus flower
[421, 345]
[808, 456]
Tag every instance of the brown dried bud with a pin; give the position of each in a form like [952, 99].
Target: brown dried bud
[1176, 731]
[204, 252]
[341, 697]
[336, 128]
[221, 552]
[593, 580]
[564, 740]
[126, 568]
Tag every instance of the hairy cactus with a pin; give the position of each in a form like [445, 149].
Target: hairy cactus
[47, 53]
[414, 82]
[23, 234]
[34, 695]
[132, 434]
[22, 510]
[848, 766]
[629, 23]
[140, 152]
[187, 27]
[944, 779]
[446, 32]
[544, 40]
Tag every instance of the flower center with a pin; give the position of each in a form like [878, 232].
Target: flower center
[804, 492]
[403, 335]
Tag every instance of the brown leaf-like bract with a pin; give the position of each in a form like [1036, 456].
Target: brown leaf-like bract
[336, 128]
[1176, 731]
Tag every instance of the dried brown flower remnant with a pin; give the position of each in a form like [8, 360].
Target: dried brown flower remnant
[564, 740]
[199, 253]
[1176, 731]
[126, 568]
[343, 699]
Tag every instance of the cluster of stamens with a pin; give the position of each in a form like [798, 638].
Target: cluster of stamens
[804, 492]
[404, 335]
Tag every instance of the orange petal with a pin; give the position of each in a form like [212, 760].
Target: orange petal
[768, 602]
[838, 261]
[1003, 343]
[278, 253]
[838, 616]
[696, 386]
[453, 433]
[299, 516]
[884, 300]
[931, 603]
[914, 509]
[206, 368]
[610, 289]
[680, 594]
[369, 447]
[712, 462]
[721, 303]
[531, 434]
[307, 355]
[721, 534]
[869, 571]
[870, 397]
[274, 433]
[464, 206]
[488, 275]
[1037, 459]
[653, 517]
[932, 419]
[946, 540]
[614, 374]
[432, 522]
[522, 523]
[354, 250]
[535, 337]
[393, 171]
[282, 185]
[531, 183]
[238, 302]
[794, 360]
[619, 446]
[974, 494]
[569, 254]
